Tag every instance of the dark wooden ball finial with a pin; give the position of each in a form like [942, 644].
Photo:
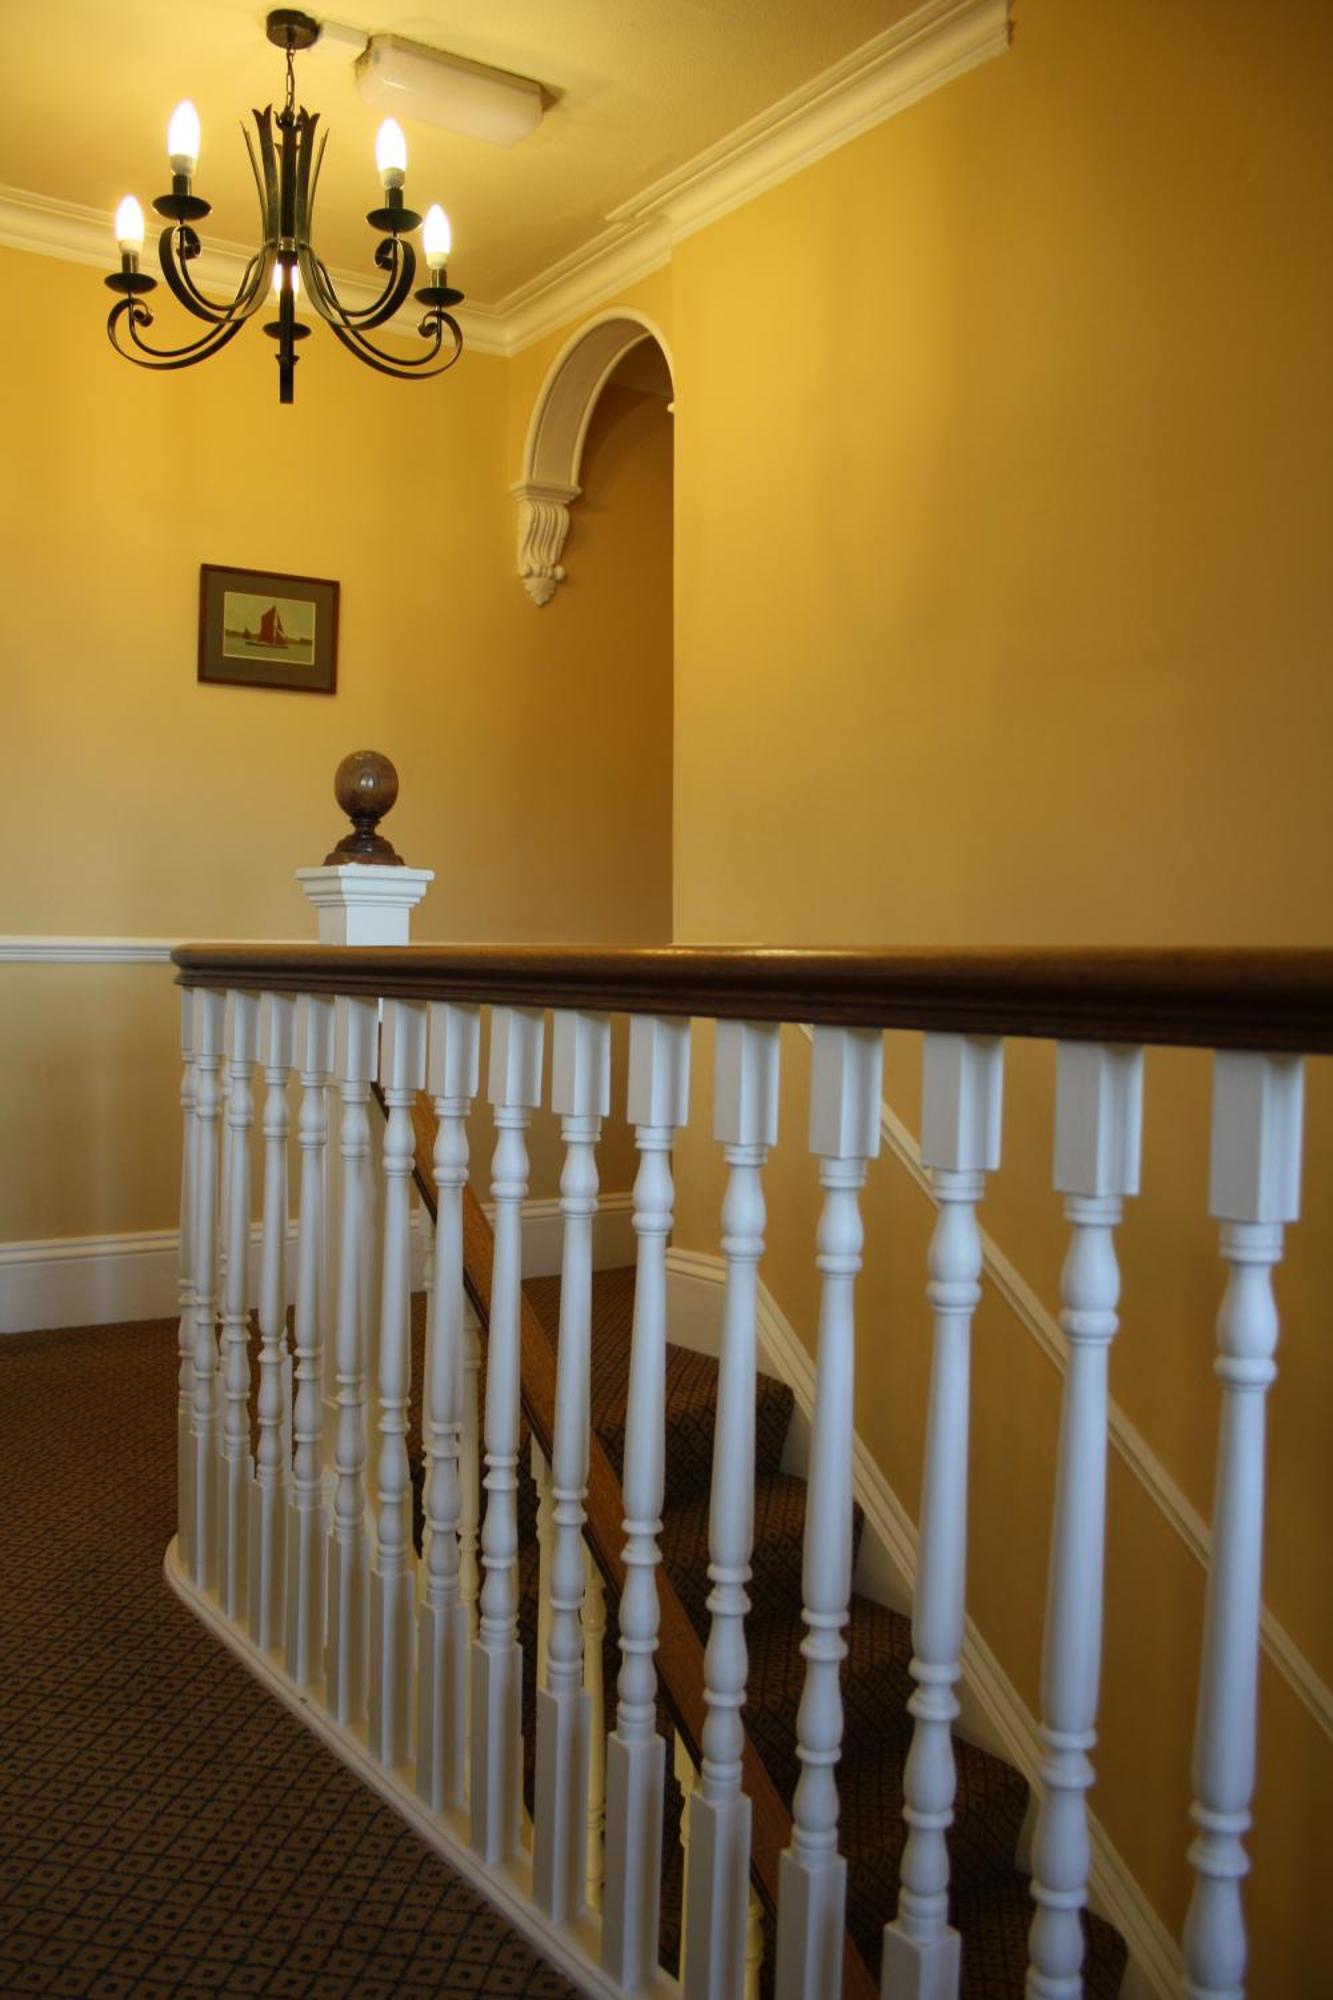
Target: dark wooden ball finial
[365, 786]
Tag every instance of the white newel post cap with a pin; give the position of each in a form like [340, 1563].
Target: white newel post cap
[364, 893]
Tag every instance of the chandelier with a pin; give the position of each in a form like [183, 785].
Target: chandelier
[286, 267]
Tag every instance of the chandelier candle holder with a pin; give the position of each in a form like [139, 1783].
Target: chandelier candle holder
[286, 266]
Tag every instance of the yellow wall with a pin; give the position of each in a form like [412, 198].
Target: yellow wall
[533, 746]
[1003, 615]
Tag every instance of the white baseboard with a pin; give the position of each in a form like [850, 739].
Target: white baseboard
[994, 1714]
[543, 1234]
[104, 1280]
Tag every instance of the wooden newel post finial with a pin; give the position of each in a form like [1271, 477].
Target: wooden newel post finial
[365, 785]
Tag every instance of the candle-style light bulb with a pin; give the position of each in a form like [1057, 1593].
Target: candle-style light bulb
[129, 226]
[278, 270]
[436, 236]
[183, 139]
[391, 154]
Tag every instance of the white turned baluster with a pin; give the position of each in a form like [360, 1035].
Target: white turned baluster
[469, 1519]
[393, 1570]
[1098, 1124]
[659, 1097]
[541, 1479]
[846, 1072]
[497, 1660]
[268, 1496]
[962, 1086]
[594, 1632]
[357, 1035]
[185, 1289]
[236, 1470]
[581, 1093]
[746, 1121]
[1254, 1190]
[442, 1621]
[209, 1009]
[307, 1525]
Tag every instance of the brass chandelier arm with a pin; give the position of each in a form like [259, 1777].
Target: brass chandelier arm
[416, 367]
[400, 260]
[129, 315]
[174, 260]
[265, 171]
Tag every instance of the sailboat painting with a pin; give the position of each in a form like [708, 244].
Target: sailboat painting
[255, 629]
[259, 628]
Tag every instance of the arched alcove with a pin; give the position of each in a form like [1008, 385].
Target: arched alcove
[553, 449]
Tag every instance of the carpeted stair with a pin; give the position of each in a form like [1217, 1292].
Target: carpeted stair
[991, 1904]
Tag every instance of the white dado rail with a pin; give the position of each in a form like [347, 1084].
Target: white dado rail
[412, 1669]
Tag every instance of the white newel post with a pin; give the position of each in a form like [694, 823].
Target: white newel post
[845, 1092]
[659, 1100]
[308, 1524]
[1098, 1127]
[235, 1470]
[746, 1122]
[356, 1033]
[208, 1037]
[962, 1085]
[1254, 1190]
[268, 1495]
[581, 1094]
[517, 1035]
[393, 1570]
[185, 1291]
[442, 1621]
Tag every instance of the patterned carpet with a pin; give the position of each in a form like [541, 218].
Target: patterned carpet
[165, 1827]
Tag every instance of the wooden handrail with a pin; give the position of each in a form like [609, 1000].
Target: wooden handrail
[1204, 998]
[680, 1657]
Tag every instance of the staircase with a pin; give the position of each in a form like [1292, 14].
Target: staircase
[992, 1907]
[295, 1547]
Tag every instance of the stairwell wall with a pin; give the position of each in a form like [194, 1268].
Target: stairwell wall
[535, 772]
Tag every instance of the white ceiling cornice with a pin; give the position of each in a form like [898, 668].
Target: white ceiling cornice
[930, 47]
[937, 42]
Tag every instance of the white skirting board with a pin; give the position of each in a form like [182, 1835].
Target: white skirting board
[103, 1280]
[994, 1715]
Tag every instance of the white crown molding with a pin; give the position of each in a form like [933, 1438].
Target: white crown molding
[80, 235]
[610, 263]
[994, 1711]
[85, 951]
[932, 45]
[929, 48]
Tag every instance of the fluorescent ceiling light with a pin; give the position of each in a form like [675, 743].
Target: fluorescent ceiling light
[411, 81]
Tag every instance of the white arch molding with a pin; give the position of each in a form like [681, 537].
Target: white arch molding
[553, 450]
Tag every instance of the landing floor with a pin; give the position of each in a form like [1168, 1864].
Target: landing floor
[164, 1827]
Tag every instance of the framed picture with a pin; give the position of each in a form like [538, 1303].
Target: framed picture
[259, 628]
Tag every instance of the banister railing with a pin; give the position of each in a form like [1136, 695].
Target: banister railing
[1261, 1011]
[1201, 997]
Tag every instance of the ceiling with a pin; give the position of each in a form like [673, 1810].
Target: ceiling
[635, 89]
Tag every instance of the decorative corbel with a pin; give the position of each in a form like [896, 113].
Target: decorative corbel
[543, 523]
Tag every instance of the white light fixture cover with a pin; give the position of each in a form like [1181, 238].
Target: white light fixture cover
[412, 81]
